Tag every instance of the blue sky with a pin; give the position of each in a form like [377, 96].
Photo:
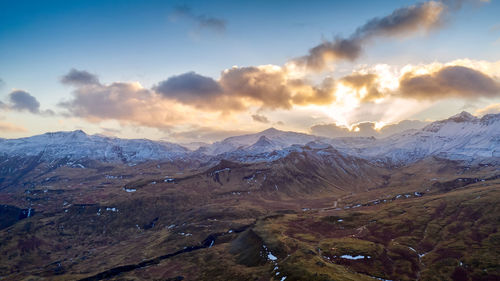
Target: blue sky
[40, 41]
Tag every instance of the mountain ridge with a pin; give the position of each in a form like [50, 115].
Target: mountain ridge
[461, 136]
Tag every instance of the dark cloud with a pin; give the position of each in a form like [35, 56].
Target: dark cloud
[401, 22]
[339, 49]
[366, 81]
[260, 118]
[189, 87]
[79, 77]
[21, 101]
[450, 81]
[199, 91]
[365, 129]
[202, 21]
[422, 16]
[266, 86]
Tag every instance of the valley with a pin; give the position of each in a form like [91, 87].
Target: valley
[309, 211]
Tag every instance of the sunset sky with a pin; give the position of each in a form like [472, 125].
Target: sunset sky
[204, 70]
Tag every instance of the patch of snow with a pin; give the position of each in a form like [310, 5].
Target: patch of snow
[349, 257]
[272, 257]
[422, 255]
[221, 170]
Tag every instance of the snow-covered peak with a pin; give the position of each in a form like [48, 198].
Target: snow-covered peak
[75, 135]
[463, 116]
[276, 138]
[78, 145]
[263, 141]
[462, 136]
[490, 118]
[270, 132]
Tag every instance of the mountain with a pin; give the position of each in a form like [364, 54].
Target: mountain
[274, 138]
[460, 137]
[78, 145]
[273, 205]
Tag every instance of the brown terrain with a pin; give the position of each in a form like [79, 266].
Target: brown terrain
[303, 217]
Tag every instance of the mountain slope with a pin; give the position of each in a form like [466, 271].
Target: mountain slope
[274, 138]
[78, 145]
[460, 137]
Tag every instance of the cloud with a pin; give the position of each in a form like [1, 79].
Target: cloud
[260, 118]
[110, 131]
[202, 21]
[306, 93]
[265, 84]
[365, 129]
[125, 102]
[422, 16]
[378, 93]
[449, 81]
[270, 86]
[21, 101]
[199, 91]
[490, 109]
[401, 22]
[189, 88]
[366, 82]
[79, 77]
[10, 128]
[205, 134]
[402, 126]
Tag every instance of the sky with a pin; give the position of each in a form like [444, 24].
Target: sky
[186, 71]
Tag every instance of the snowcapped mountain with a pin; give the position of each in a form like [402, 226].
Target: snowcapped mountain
[460, 137]
[265, 141]
[78, 145]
